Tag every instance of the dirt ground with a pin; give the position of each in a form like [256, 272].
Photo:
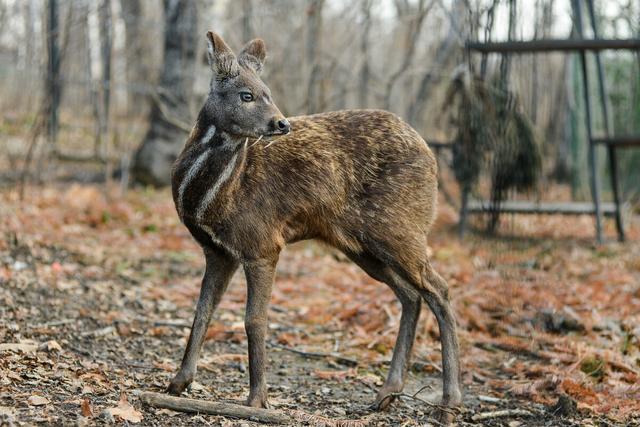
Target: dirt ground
[97, 293]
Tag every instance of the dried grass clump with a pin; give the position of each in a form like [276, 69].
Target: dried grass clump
[493, 135]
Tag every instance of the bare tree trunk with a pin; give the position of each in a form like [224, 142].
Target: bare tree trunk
[533, 110]
[106, 38]
[505, 63]
[247, 16]
[29, 50]
[170, 112]
[556, 132]
[413, 32]
[137, 71]
[488, 32]
[314, 34]
[365, 70]
[498, 183]
[28, 11]
[53, 71]
[53, 88]
[445, 54]
[92, 88]
[341, 79]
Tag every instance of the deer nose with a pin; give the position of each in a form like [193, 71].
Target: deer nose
[283, 126]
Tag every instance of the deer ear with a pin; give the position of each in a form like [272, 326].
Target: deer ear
[253, 55]
[221, 58]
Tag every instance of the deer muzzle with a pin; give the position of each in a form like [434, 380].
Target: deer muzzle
[280, 126]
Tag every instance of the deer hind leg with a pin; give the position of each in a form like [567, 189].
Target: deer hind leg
[411, 305]
[434, 290]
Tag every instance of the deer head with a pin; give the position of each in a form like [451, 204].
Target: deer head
[239, 103]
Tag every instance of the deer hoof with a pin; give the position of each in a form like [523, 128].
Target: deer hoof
[386, 396]
[178, 384]
[382, 403]
[258, 401]
[446, 412]
[444, 416]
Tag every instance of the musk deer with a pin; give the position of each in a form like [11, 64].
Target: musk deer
[362, 181]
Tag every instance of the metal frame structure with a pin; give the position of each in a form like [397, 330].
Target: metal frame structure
[581, 46]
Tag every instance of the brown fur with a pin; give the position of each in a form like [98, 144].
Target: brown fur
[342, 173]
[362, 181]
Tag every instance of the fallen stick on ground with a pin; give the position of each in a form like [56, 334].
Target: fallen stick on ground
[501, 414]
[99, 332]
[182, 404]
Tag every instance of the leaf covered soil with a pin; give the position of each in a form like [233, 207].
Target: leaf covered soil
[97, 294]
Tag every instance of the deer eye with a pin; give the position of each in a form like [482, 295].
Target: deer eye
[246, 96]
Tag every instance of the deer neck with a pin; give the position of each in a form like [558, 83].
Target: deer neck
[214, 162]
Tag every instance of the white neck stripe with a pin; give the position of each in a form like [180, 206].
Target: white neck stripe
[207, 136]
[213, 191]
[194, 169]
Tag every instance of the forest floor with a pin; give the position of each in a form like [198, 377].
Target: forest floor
[97, 294]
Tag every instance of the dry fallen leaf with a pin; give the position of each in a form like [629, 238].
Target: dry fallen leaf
[36, 400]
[335, 375]
[167, 412]
[165, 366]
[535, 389]
[125, 410]
[86, 408]
[50, 346]
[224, 358]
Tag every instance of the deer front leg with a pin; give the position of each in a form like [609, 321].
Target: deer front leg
[220, 267]
[260, 275]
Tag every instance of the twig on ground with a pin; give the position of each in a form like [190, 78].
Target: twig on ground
[452, 411]
[338, 358]
[423, 388]
[501, 414]
[488, 399]
[493, 346]
[414, 396]
[139, 366]
[19, 347]
[99, 332]
[55, 323]
[318, 420]
[174, 323]
[182, 404]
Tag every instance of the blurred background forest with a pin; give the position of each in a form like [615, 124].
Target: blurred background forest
[86, 83]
